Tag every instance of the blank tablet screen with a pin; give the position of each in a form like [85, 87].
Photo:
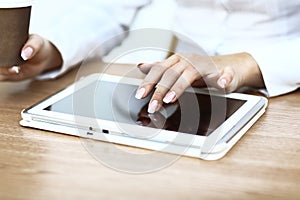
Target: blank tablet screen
[193, 113]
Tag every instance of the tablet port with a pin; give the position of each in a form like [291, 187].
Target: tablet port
[105, 131]
[89, 133]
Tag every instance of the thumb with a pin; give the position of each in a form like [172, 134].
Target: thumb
[32, 47]
[226, 79]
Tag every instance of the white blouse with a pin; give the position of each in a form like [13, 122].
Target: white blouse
[269, 30]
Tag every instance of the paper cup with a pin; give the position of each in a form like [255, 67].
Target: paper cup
[14, 30]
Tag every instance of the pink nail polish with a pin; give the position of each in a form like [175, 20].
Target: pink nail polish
[26, 53]
[15, 69]
[222, 83]
[152, 106]
[140, 93]
[169, 97]
[140, 64]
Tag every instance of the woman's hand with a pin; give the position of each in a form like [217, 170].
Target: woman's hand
[40, 56]
[178, 72]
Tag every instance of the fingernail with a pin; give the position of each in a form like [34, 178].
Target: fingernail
[26, 53]
[140, 64]
[152, 106]
[169, 97]
[222, 83]
[140, 93]
[15, 69]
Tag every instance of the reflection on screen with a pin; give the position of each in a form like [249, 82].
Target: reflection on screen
[193, 113]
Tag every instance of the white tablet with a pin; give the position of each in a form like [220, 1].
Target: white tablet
[202, 123]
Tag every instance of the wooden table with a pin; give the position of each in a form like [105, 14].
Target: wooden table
[35, 164]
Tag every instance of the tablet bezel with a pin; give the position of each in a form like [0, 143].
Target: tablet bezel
[86, 125]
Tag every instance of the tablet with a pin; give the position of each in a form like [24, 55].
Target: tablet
[202, 123]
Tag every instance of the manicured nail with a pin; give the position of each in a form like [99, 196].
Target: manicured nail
[15, 69]
[140, 93]
[140, 64]
[169, 97]
[222, 82]
[27, 53]
[152, 106]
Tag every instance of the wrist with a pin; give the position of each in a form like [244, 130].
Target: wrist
[54, 58]
[251, 75]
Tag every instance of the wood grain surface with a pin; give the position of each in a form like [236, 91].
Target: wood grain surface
[36, 164]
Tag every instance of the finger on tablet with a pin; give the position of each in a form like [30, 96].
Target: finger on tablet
[150, 81]
[154, 73]
[167, 81]
[183, 82]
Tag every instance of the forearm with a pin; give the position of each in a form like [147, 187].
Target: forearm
[250, 72]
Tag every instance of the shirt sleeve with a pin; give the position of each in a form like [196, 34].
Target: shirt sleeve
[79, 28]
[280, 66]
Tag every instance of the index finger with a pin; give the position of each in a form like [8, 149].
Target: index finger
[154, 75]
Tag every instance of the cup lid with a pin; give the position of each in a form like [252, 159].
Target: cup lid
[15, 3]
